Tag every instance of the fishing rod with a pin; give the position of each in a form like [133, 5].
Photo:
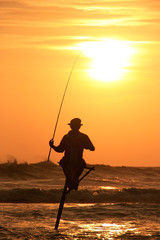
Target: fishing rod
[62, 102]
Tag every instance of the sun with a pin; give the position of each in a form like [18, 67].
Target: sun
[110, 59]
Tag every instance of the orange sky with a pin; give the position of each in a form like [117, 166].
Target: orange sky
[38, 44]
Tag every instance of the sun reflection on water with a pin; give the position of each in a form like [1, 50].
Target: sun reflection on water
[106, 230]
[108, 188]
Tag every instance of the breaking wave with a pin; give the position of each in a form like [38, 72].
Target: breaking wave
[43, 182]
[25, 171]
[36, 195]
[46, 170]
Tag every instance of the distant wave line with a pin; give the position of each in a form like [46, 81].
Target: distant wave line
[36, 195]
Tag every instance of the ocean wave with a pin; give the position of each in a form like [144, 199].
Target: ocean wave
[25, 171]
[45, 170]
[36, 195]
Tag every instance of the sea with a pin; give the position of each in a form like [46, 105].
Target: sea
[111, 203]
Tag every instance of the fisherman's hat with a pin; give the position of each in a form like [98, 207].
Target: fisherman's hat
[75, 121]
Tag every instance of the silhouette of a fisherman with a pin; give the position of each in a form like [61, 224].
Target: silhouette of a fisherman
[73, 144]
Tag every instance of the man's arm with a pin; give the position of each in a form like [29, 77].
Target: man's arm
[88, 144]
[60, 147]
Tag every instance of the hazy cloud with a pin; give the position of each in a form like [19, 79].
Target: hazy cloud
[72, 18]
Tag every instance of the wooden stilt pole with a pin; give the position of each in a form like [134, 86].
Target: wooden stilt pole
[61, 206]
[65, 191]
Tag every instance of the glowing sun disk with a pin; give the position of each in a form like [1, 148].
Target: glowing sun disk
[110, 59]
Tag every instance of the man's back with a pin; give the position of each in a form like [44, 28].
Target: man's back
[73, 144]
